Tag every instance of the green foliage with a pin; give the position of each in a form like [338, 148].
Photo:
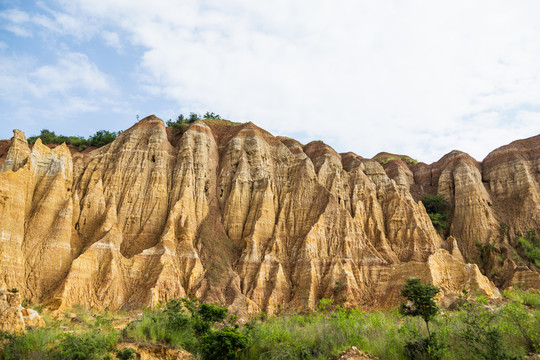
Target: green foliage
[181, 123]
[325, 305]
[192, 325]
[33, 344]
[438, 220]
[425, 348]
[503, 229]
[225, 343]
[529, 298]
[530, 244]
[477, 330]
[524, 322]
[437, 209]
[486, 254]
[316, 335]
[434, 204]
[212, 116]
[100, 138]
[480, 334]
[420, 300]
[88, 346]
[125, 354]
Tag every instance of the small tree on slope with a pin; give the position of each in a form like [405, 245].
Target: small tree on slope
[420, 300]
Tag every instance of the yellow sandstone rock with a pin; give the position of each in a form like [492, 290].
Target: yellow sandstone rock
[237, 216]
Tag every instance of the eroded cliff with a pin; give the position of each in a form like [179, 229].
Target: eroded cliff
[232, 214]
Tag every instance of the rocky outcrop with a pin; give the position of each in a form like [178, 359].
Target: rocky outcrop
[443, 270]
[233, 215]
[491, 202]
[14, 317]
[156, 352]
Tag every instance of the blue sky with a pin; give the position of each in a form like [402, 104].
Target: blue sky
[414, 77]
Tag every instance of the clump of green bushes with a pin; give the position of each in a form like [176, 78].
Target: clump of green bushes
[437, 209]
[100, 138]
[182, 122]
[203, 329]
[530, 244]
[478, 329]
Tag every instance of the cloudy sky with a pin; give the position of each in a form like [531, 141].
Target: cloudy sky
[414, 77]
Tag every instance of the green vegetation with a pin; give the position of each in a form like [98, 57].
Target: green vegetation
[182, 122]
[202, 329]
[489, 259]
[530, 244]
[385, 158]
[437, 209]
[100, 138]
[212, 116]
[421, 302]
[478, 329]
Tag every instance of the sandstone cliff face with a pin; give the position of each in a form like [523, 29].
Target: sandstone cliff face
[237, 216]
[492, 202]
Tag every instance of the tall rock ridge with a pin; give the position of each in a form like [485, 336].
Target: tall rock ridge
[234, 215]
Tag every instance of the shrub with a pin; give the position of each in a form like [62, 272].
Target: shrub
[89, 346]
[437, 209]
[125, 354]
[421, 303]
[30, 345]
[100, 138]
[530, 243]
[223, 344]
[193, 117]
[420, 300]
[212, 116]
[425, 348]
[480, 334]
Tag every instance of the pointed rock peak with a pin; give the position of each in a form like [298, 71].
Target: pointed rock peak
[454, 248]
[350, 160]
[38, 143]
[18, 135]
[18, 152]
[249, 126]
[150, 118]
[317, 148]
[456, 155]
[288, 140]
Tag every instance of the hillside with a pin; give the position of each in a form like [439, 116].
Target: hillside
[234, 215]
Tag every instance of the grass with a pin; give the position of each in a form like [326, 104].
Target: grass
[530, 244]
[477, 330]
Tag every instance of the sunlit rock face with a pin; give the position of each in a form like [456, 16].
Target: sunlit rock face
[234, 215]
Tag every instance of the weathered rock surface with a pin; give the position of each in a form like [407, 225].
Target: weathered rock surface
[156, 352]
[235, 215]
[354, 354]
[13, 317]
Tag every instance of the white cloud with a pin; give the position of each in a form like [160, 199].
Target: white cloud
[73, 72]
[112, 39]
[411, 77]
[56, 95]
[15, 16]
